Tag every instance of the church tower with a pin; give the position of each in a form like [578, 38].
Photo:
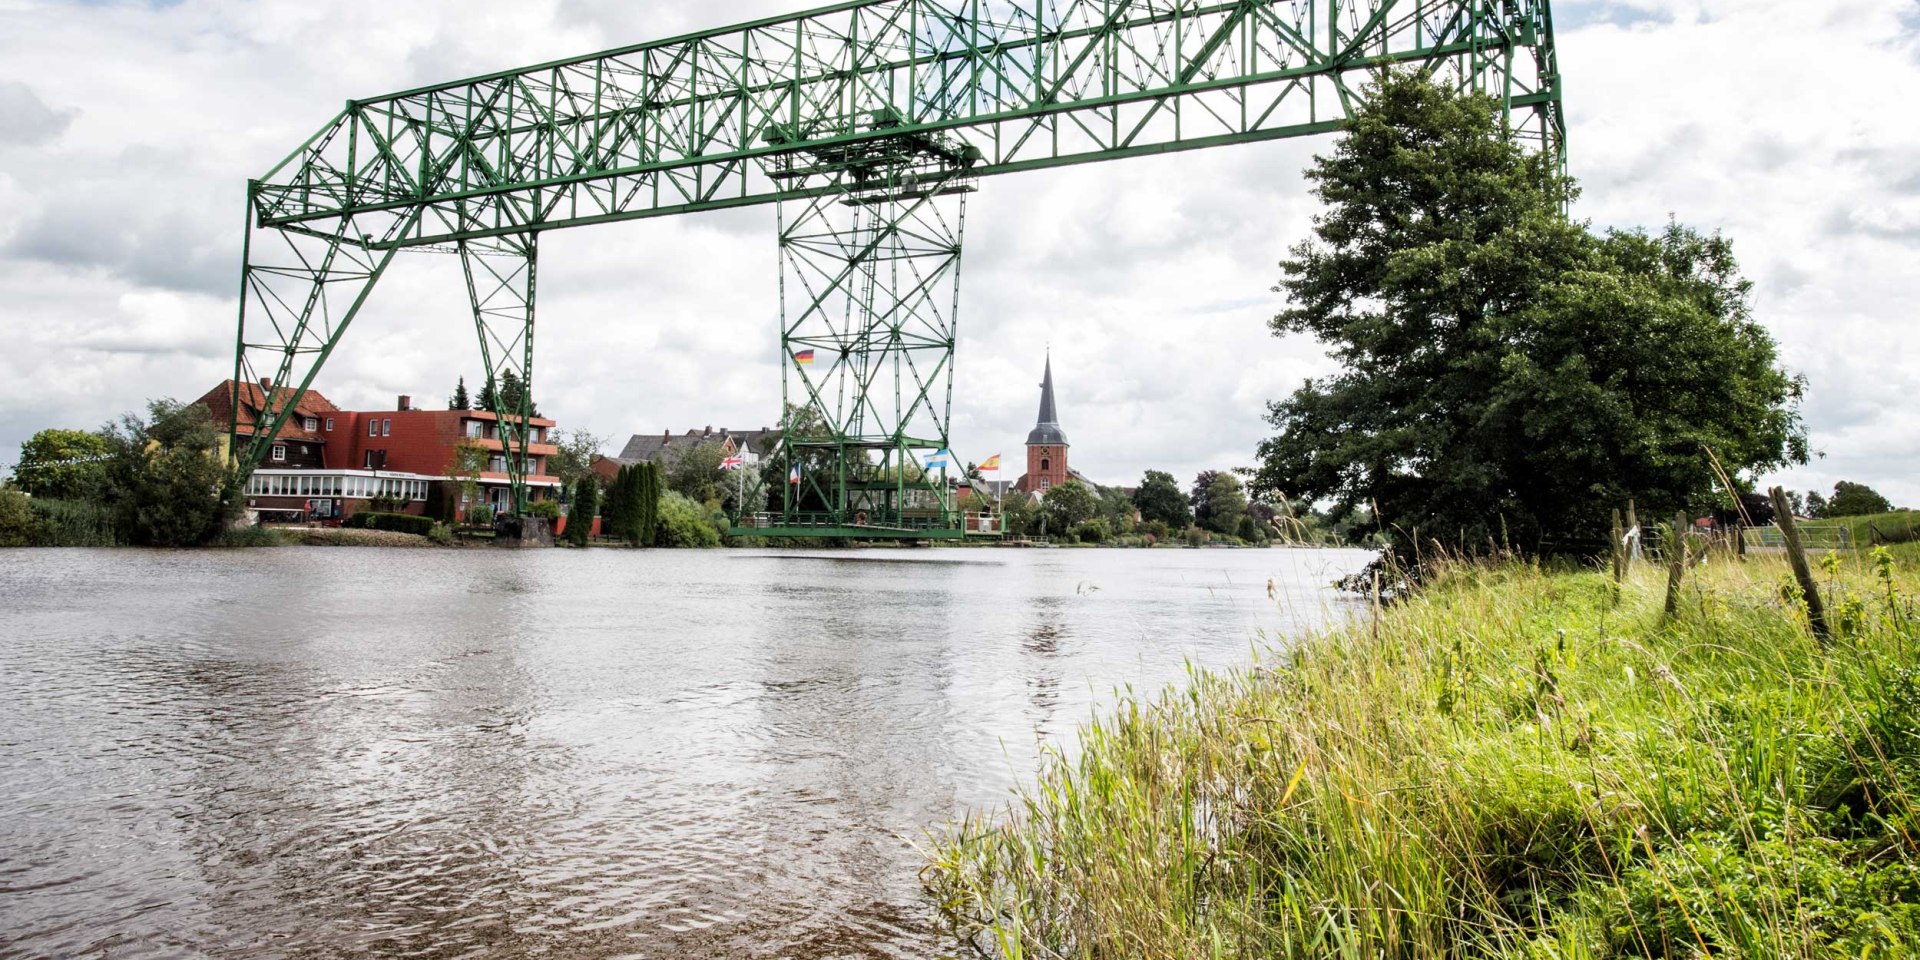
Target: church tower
[1046, 444]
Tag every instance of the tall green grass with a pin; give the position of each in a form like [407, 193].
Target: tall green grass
[1510, 764]
[72, 523]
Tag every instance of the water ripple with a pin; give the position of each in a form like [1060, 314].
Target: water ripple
[339, 753]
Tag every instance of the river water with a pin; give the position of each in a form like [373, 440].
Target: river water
[330, 752]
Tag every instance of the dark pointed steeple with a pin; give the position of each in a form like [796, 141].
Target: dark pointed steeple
[1046, 428]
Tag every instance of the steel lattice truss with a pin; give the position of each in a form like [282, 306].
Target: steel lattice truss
[710, 120]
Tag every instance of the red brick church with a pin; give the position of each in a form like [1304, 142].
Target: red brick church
[1046, 446]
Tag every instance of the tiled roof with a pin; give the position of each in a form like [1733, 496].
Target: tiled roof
[219, 403]
[648, 446]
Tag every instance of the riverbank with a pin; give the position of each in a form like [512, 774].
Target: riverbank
[1513, 764]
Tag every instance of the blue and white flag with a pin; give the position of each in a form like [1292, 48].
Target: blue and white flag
[938, 458]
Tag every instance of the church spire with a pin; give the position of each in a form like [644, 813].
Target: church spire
[1046, 428]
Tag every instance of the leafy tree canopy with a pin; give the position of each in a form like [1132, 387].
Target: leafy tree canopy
[577, 448]
[1507, 373]
[165, 479]
[1159, 499]
[63, 464]
[1219, 501]
[1855, 500]
[1067, 505]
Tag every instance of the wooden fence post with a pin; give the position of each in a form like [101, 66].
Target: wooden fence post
[1676, 562]
[1797, 557]
[1619, 553]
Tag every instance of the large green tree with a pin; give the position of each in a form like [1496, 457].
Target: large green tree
[1506, 373]
[1159, 498]
[1855, 500]
[165, 479]
[63, 464]
[1219, 501]
[576, 450]
[1067, 505]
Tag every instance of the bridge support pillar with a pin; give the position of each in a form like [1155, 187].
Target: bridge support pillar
[501, 278]
[869, 290]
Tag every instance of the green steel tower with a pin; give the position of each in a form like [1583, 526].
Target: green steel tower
[866, 123]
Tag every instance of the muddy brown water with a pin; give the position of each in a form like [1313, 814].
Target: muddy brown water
[330, 752]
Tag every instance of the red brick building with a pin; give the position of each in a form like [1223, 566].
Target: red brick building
[1046, 445]
[329, 463]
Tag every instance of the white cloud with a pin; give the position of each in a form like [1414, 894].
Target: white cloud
[134, 127]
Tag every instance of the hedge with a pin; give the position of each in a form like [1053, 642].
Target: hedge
[396, 522]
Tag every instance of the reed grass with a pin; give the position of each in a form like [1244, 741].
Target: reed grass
[1509, 764]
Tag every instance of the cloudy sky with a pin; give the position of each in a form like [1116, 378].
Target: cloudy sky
[128, 131]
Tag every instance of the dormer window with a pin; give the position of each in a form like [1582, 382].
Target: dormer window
[279, 452]
[312, 424]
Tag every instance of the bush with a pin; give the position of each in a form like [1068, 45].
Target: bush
[544, 509]
[386, 503]
[441, 534]
[683, 523]
[1092, 531]
[480, 515]
[1248, 530]
[586, 499]
[394, 522]
[442, 497]
[18, 526]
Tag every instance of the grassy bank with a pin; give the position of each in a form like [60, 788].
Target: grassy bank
[1512, 764]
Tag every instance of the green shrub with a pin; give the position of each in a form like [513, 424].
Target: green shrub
[394, 522]
[544, 509]
[480, 515]
[1091, 531]
[443, 496]
[441, 534]
[683, 523]
[586, 499]
[18, 526]
[386, 503]
[1248, 529]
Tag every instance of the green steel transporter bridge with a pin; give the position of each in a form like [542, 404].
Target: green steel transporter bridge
[866, 124]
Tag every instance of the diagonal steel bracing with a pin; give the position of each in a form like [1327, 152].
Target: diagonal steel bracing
[501, 274]
[782, 110]
[869, 279]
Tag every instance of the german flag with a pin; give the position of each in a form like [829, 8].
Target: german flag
[803, 357]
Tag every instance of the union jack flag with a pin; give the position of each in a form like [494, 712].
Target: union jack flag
[732, 463]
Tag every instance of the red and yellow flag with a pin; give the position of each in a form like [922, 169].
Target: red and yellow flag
[990, 463]
[804, 356]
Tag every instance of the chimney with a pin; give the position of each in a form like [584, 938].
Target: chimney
[666, 437]
[266, 383]
[709, 431]
[406, 402]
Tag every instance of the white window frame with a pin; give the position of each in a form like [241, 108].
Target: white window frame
[312, 424]
[386, 428]
[280, 453]
[329, 424]
[373, 428]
